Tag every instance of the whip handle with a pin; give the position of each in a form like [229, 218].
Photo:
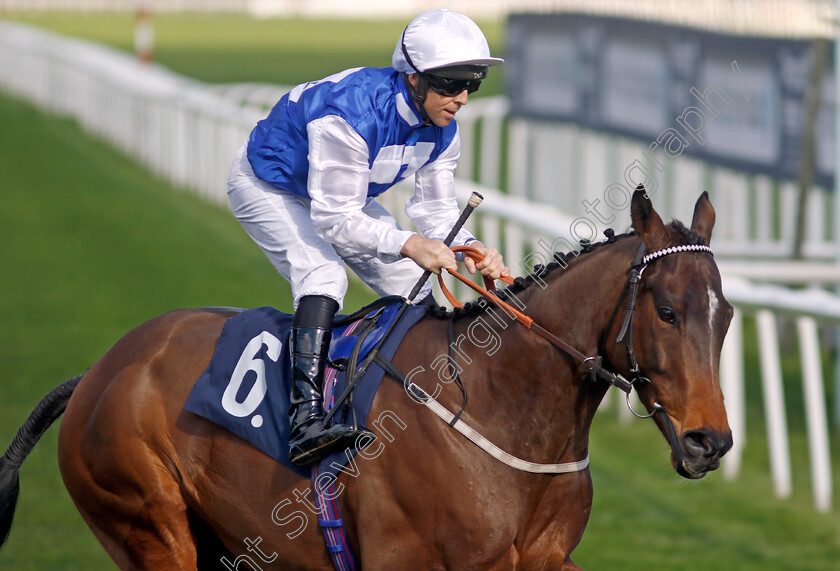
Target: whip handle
[475, 200]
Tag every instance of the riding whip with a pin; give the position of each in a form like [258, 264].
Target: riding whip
[475, 200]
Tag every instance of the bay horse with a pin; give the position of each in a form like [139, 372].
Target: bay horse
[162, 488]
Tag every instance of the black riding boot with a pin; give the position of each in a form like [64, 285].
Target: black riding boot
[309, 343]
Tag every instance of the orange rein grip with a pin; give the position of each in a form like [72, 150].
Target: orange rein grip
[486, 291]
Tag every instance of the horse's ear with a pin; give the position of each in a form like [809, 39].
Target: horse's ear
[704, 217]
[646, 221]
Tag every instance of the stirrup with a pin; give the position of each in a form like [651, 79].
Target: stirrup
[310, 448]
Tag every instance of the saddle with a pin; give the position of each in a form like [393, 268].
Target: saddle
[245, 387]
[354, 336]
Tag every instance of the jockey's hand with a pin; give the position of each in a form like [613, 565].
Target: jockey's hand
[432, 255]
[492, 266]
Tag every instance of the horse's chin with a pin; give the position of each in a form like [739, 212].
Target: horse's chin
[686, 470]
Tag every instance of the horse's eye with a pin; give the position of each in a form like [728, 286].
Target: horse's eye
[666, 314]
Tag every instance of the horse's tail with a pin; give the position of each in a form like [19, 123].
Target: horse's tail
[47, 412]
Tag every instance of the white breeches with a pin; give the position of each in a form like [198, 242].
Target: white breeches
[279, 222]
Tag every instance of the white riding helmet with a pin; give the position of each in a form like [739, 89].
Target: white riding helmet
[441, 38]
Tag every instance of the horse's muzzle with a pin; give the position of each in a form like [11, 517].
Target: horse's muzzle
[702, 450]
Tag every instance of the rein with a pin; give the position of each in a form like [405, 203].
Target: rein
[588, 364]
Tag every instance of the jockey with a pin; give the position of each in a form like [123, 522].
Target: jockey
[303, 187]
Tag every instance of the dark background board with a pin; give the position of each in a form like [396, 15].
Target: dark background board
[634, 78]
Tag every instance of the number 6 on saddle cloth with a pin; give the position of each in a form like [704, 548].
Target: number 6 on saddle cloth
[250, 366]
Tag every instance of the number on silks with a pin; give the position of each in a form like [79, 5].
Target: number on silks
[248, 362]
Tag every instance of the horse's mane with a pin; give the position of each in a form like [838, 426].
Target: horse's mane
[679, 233]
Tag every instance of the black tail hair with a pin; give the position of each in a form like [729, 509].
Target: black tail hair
[48, 410]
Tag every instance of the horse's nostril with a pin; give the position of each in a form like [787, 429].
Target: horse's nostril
[700, 443]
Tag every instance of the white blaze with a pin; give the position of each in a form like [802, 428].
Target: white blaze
[713, 306]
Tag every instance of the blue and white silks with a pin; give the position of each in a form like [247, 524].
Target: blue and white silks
[347, 138]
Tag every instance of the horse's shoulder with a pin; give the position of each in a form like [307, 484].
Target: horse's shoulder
[428, 331]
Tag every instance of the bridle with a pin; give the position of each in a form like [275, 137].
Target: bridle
[591, 365]
[631, 290]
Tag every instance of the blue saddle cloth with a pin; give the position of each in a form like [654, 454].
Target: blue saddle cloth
[245, 388]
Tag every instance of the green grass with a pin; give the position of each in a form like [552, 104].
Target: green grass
[645, 517]
[94, 245]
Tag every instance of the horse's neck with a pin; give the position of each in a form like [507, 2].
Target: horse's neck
[546, 400]
[577, 303]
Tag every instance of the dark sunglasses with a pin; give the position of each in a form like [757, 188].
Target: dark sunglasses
[451, 87]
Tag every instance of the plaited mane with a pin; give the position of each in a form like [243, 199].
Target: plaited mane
[679, 234]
